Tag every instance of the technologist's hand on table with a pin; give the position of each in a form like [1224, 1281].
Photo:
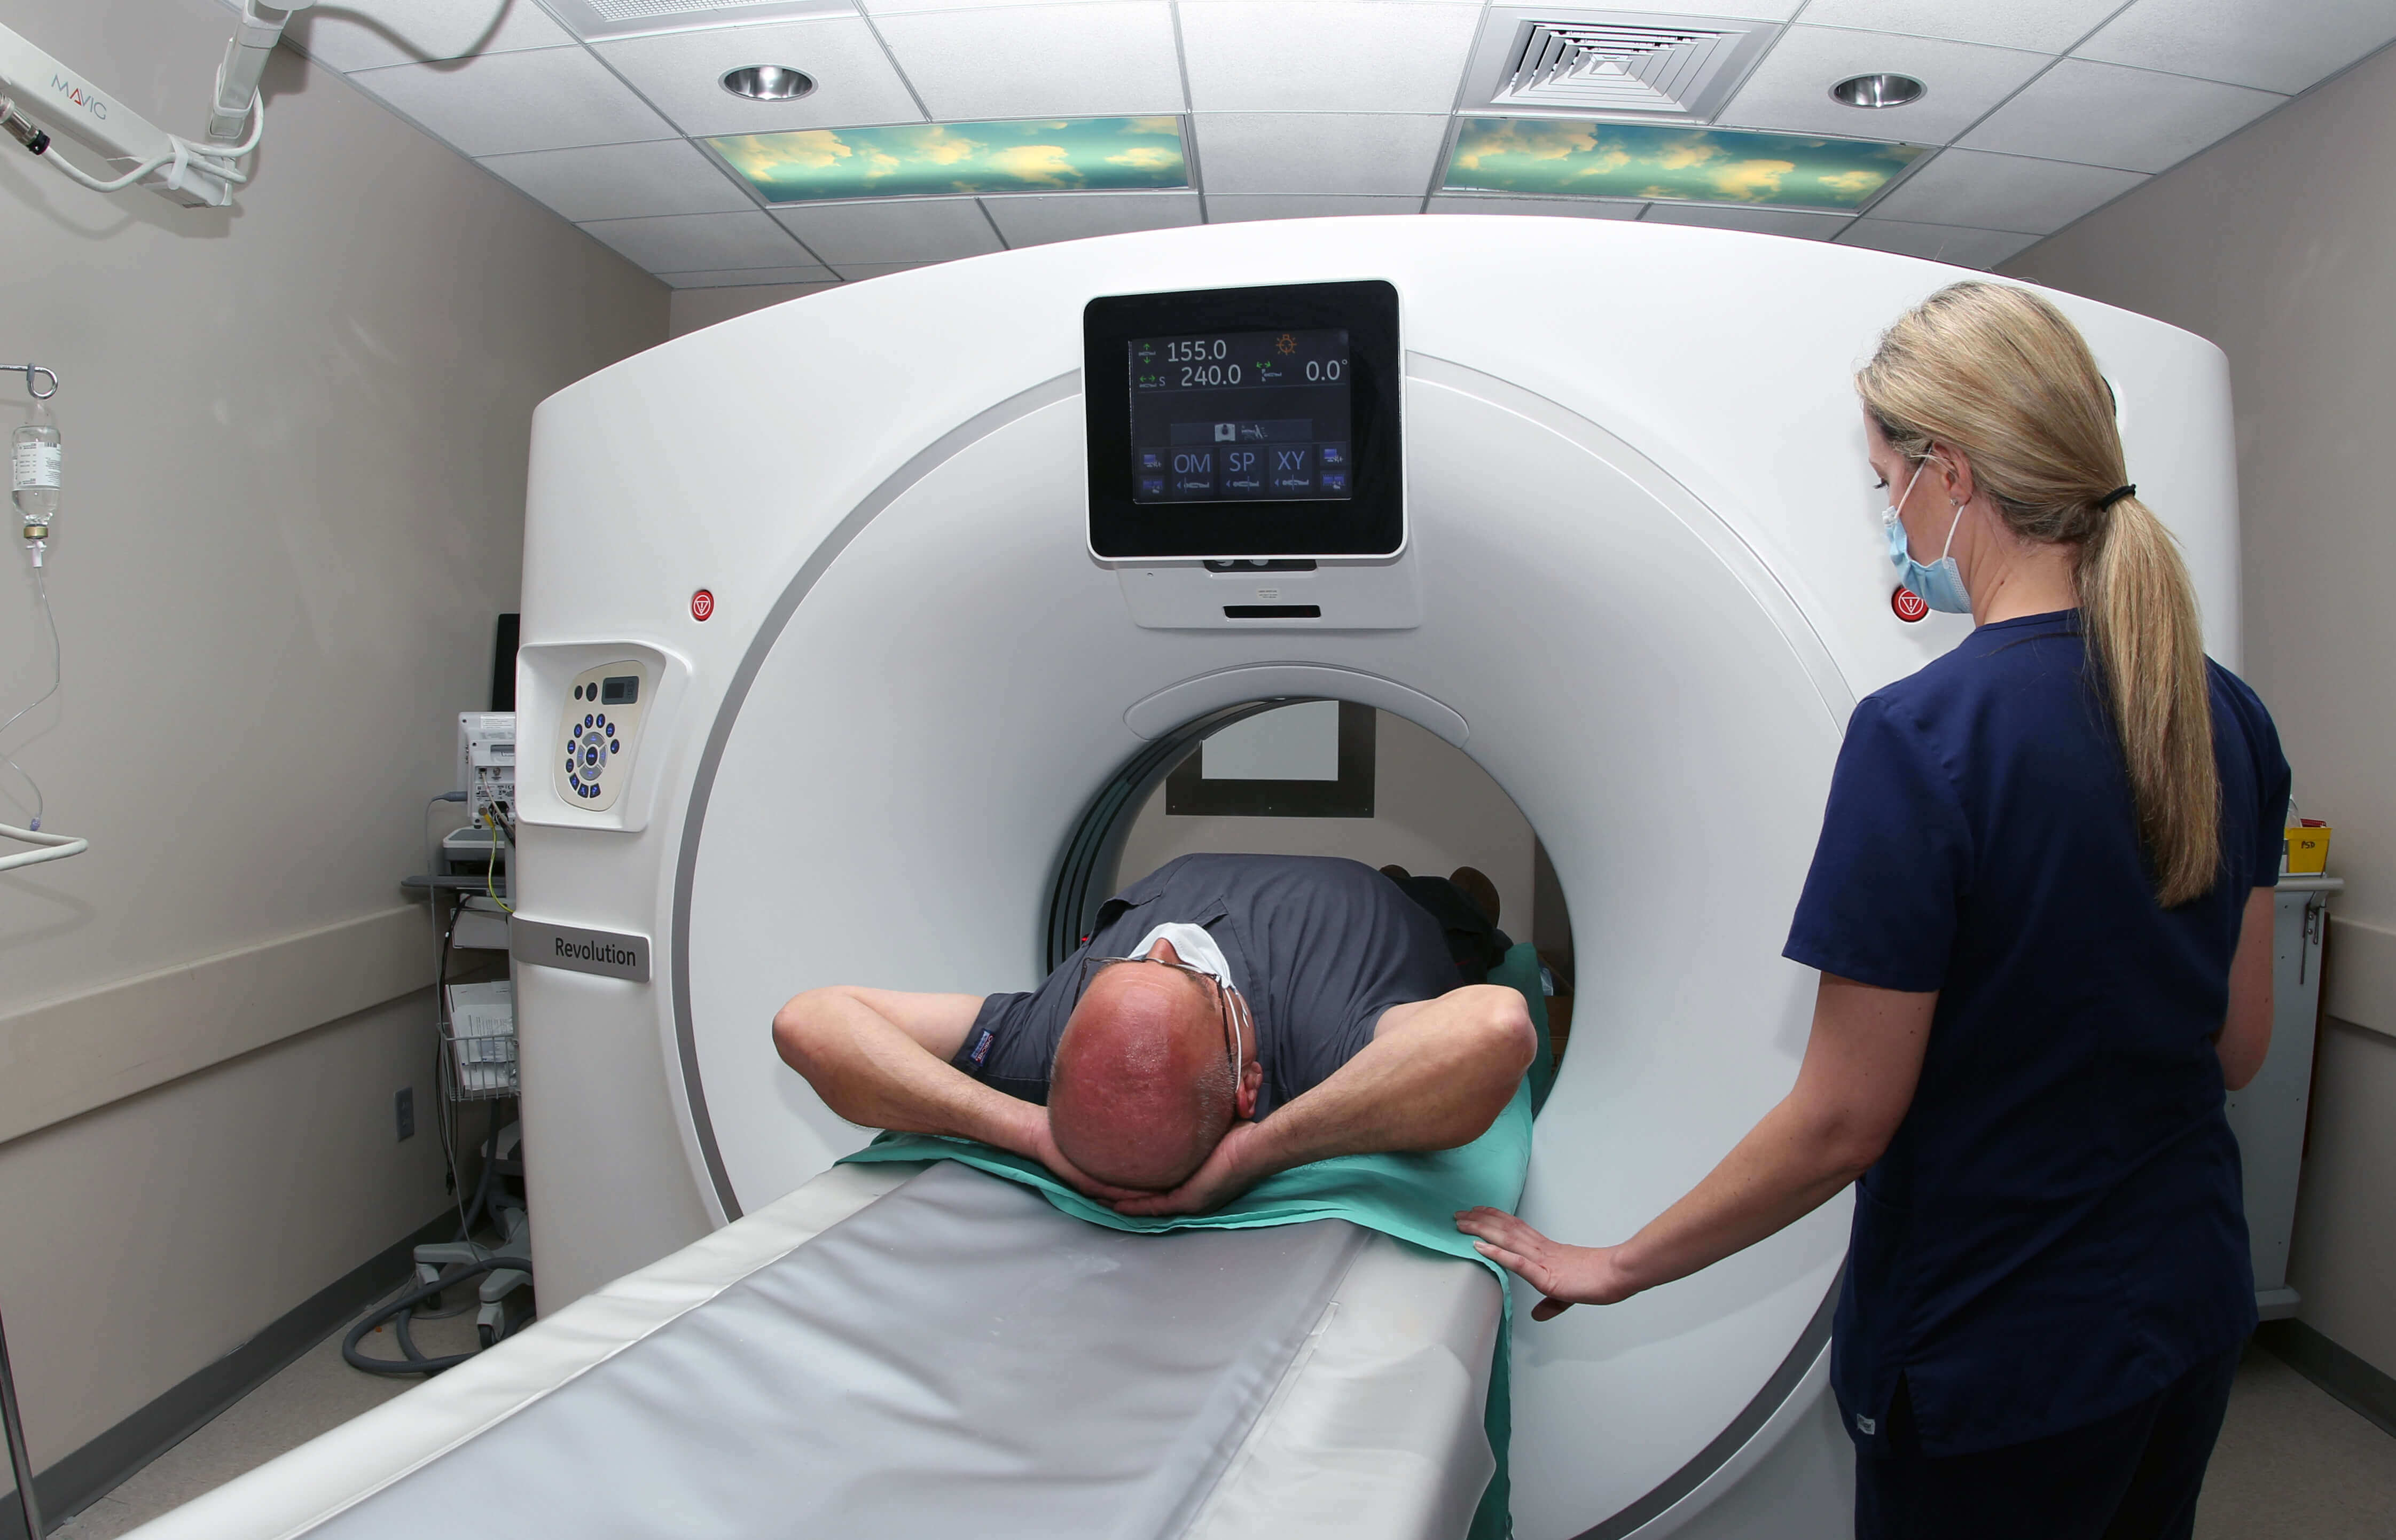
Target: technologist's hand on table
[1565, 1275]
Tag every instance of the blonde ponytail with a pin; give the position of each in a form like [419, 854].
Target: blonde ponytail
[2140, 612]
[2000, 374]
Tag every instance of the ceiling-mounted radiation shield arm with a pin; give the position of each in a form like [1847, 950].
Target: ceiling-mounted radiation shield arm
[40, 95]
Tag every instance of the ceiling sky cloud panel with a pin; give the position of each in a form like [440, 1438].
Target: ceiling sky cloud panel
[1109, 154]
[1550, 158]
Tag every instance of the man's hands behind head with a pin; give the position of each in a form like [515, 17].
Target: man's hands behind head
[1042, 1148]
[1234, 1166]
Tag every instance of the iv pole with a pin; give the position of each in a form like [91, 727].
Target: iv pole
[20, 1460]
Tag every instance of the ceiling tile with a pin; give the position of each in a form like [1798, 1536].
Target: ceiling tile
[908, 7]
[362, 34]
[1575, 208]
[1325, 55]
[1763, 221]
[1791, 91]
[1990, 192]
[1234, 209]
[1040, 218]
[681, 73]
[1318, 152]
[1074, 60]
[1956, 243]
[2109, 115]
[619, 181]
[895, 230]
[810, 277]
[494, 104]
[691, 243]
[594, 19]
[1741, 10]
[2042, 26]
[2271, 44]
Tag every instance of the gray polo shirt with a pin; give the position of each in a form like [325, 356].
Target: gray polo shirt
[1319, 945]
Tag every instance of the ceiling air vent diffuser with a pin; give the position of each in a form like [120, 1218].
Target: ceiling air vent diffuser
[1610, 65]
[598, 19]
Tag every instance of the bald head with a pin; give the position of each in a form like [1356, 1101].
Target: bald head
[1141, 1090]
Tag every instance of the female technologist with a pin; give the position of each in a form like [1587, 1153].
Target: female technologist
[2041, 910]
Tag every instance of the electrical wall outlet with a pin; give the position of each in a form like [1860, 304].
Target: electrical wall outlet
[403, 1106]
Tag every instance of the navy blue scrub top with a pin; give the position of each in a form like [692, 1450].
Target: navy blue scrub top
[2056, 1231]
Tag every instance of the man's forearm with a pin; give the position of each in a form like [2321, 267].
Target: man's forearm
[1433, 1079]
[869, 1072]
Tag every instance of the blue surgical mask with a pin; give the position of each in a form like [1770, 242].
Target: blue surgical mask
[1941, 584]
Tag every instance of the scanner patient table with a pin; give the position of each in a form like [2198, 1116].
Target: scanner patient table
[902, 1351]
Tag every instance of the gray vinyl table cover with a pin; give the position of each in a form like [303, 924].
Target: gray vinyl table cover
[957, 1358]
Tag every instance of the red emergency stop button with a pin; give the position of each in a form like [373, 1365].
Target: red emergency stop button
[1908, 605]
[702, 605]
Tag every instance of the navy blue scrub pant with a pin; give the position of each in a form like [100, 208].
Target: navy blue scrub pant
[2131, 1475]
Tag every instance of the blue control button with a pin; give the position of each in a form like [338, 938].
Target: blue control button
[589, 721]
[613, 747]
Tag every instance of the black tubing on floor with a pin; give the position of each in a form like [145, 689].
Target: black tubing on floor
[416, 1362]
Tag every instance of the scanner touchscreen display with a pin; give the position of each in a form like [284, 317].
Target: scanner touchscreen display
[1241, 416]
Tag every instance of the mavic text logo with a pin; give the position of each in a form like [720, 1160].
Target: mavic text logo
[77, 95]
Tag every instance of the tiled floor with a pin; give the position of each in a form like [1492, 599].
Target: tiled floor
[316, 1392]
[2293, 1463]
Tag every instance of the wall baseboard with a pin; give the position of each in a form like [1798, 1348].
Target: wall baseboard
[78, 1479]
[2362, 1386]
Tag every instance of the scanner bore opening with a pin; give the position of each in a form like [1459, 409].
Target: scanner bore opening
[1091, 867]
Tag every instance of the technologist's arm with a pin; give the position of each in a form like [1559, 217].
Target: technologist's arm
[1861, 1066]
[1436, 1074]
[880, 1058]
[2245, 1035]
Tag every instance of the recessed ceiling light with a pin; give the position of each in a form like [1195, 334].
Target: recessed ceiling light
[1876, 90]
[768, 83]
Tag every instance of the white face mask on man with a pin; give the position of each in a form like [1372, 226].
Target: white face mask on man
[1196, 948]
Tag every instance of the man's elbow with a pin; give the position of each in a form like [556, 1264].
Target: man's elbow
[1503, 1037]
[798, 1030]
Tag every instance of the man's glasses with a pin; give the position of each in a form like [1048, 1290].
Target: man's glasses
[1228, 1002]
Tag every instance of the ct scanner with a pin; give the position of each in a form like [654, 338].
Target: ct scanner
[890, 711]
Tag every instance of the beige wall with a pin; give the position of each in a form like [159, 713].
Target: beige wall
[694, 308]
[2280, 244]
[1434, 810]
[294, 440]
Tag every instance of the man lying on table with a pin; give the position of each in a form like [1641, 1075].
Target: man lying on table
[1230, 1016]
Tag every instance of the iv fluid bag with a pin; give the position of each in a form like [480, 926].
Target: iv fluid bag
[33, 465]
